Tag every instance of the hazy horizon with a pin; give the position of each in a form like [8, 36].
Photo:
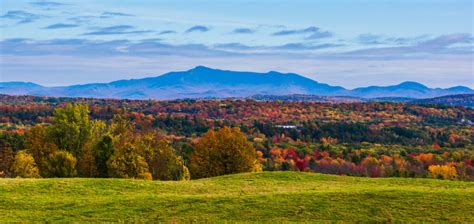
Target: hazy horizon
[154, 76]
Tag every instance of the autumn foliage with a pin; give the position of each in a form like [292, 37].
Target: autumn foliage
[161, 139]
[220, 152]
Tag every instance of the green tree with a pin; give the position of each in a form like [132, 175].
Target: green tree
[126, 162]
[220, 152]
[62, 164]
[71, 128]
[102, 151]
[24, 166]
[166, 165]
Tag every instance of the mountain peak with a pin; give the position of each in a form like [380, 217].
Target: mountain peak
[412, 85]
[201, 68]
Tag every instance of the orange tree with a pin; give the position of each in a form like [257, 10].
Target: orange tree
[220, 152]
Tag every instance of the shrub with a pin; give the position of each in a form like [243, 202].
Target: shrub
[443, 172]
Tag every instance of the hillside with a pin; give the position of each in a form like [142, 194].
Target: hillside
[466, 100]
[203, 82]
[268, 196]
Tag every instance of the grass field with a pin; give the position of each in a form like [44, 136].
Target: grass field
[268, 196]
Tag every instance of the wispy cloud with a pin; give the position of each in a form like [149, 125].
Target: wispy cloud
[370, 39]
[198, 28]
[449, 44]
[167, 32]
[377, 39]
[290, 47]
[116, 30]
[312, 31]
[91, 59]
[237, 46]
[319, 35]
[438, 45]
[85, 47]
[293, 32]
[243, 31]
[21, 16]
[303, 46]
[47, 4]
[114, 14]
[60, 26]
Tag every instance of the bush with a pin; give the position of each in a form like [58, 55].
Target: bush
[24, 166]
[443, 172]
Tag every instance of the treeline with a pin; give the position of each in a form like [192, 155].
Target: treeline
[375, 122]
[73, 145]
[172, 140]
[371, 160]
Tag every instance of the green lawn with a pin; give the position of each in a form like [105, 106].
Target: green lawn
[267, 196]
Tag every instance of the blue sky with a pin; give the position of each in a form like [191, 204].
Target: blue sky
[350, 43]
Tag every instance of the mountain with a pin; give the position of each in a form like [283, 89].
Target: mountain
[20, 88]
[408, 90]
[203, 82]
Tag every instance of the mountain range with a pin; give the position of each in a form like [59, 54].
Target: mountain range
[204, 82]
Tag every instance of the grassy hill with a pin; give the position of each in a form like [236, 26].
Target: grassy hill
[268, 196]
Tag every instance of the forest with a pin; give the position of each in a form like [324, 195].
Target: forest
[191, 139]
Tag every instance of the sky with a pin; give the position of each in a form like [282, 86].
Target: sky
[349, 43]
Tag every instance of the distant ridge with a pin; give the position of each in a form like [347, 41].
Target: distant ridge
[466, 100]
[204, 82]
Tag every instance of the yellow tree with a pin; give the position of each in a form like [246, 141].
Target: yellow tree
[24, 166]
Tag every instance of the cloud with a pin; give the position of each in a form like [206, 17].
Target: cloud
[115, 30]
[441, 46]
[302, 46]
[86, 60]
[114, 14]
[47, 4]
[167, 32]
[375, 39]
[236, 46]
[370, 39]
[21, 16]
[243, 31]
[94, 48]
[290, 47]
[460, 43]
[310, 29]
[198, 29]
[314, 33]
[83, 19]
[444, 41]
[319, 35]
[60, 26]
[104, 15]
